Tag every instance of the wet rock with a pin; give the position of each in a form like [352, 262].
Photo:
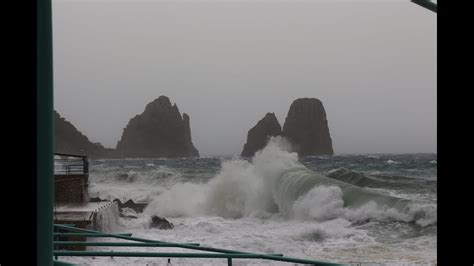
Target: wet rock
[306, 127]
[258, 136]
[160, 131]
[95, 199]
[137, 207]
[160, 223]
[68, 139]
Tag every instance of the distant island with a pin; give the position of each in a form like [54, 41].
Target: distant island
[68, 139]
[161, 131]
[306, 128]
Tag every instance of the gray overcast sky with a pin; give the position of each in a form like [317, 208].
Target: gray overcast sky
[371, 63]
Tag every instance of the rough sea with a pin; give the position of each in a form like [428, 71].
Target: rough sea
[368, 209]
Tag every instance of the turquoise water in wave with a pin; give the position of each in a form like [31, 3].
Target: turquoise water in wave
[346, 208]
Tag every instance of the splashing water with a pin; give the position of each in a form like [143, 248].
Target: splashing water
[343, 208]
[275, 182]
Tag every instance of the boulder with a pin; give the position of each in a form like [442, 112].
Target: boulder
[137, 207]
[160, 223]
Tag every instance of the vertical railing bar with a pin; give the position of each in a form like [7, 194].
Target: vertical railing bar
[44, 133]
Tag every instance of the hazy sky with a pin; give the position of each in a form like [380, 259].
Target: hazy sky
[227, 63]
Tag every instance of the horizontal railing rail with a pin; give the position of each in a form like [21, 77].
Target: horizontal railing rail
[216, 252]
[70, 155]
[70, 169]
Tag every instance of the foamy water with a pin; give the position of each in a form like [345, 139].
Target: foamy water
[371, 210]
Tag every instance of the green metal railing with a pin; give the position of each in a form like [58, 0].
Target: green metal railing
[428, 4]
[70, 164]
[44, 133]
[141, 242]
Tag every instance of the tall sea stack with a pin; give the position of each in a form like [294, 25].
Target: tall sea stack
[67, 139]
[306, 127]
[258, 136]
[159, 131]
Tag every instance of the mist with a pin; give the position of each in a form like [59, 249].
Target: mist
[226, 64]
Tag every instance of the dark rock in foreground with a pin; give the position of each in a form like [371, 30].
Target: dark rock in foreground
[306, 127]
[258, 136]
[137, 207]
[96, 199]
[160, 223]
[67, 139]
[160, 131]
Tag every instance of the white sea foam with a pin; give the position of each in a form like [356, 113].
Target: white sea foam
[275, 182]
[106, 220]
[333, 240]
[271, 204]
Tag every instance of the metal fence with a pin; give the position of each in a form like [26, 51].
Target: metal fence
[215, 253]
[70, 164]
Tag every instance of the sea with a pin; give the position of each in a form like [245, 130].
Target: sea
[364, 209]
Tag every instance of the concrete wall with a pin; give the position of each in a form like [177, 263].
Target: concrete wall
[70, 188]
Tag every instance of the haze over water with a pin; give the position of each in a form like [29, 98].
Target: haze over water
[226, 64]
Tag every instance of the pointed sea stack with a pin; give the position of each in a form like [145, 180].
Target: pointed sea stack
[306, 127]
[159, 131]
[67, 139]
[258, 136]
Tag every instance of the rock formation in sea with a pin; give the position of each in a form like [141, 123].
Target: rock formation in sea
[67, 139]
[160, 131]
[306, 127]
[258, 136]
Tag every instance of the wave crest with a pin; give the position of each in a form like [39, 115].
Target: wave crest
[275, 182]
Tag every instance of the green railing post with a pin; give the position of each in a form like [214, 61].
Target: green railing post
[44, 134]
[428, 4]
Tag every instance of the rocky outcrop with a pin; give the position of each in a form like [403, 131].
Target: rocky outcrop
[160, 223]
[67, 139]
[160, 131]
[306, 127]
[136, 206]
[258, 136]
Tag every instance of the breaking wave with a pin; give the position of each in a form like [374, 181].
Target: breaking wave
[276, 183]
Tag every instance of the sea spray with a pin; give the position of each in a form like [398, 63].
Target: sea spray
[182, 199]
[321, 203]
[276, 182]
[370, 232]
[106, 219]
[243, 188]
